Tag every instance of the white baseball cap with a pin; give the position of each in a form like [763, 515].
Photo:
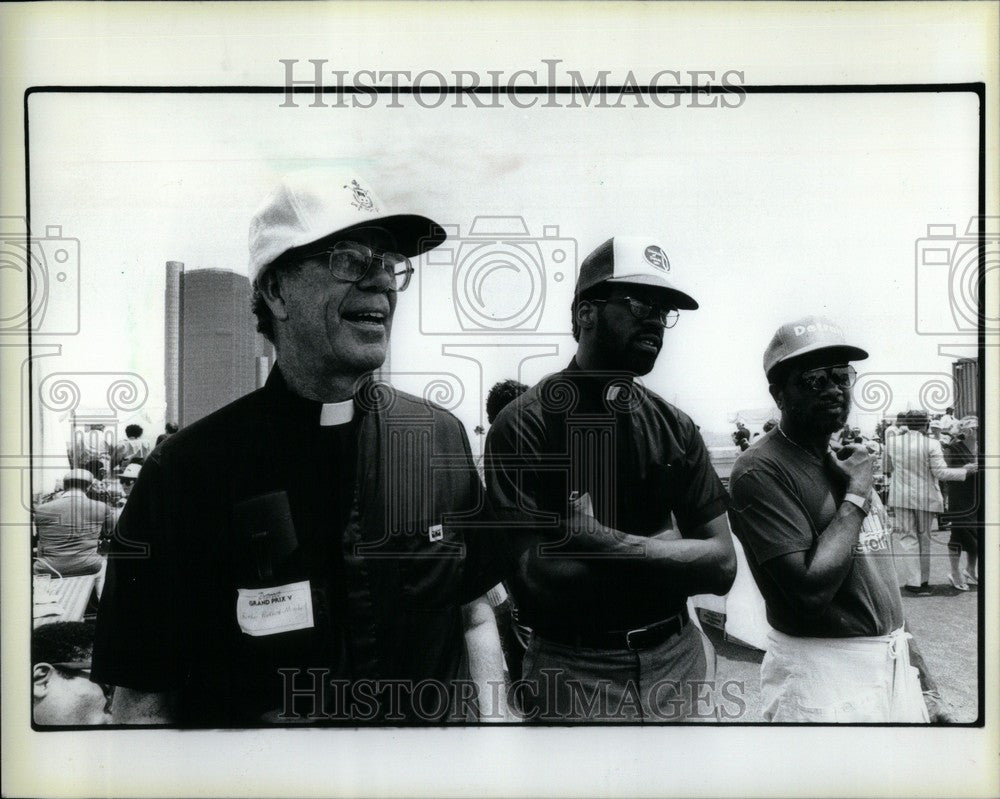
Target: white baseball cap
[131, 472]
[809, 334]
[78, 476]
[639, 260]
[309, 206]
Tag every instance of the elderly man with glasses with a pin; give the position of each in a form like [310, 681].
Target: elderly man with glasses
[817, 540]
[589, 468]
[330, 570]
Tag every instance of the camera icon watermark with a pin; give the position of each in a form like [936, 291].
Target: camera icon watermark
[498, 280]
[951, 277]
[41, 280]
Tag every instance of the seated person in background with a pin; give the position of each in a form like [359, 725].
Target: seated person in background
[62, 692]
[129, 476]
[69, 528]
[99, 487]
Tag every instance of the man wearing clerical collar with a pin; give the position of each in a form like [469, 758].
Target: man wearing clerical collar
[316, 576]
[609, 491]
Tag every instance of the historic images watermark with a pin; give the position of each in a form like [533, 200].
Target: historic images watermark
[310, 695]
[955, 265]
[544, 86]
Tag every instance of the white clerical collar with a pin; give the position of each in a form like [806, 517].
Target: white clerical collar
[335, 413]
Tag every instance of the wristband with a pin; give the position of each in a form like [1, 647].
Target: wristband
[856, 499]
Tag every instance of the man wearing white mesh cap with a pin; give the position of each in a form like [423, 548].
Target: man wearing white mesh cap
[587, 468]
[318, 577]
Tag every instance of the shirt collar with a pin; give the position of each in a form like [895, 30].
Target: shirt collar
[312, 413]
[336, 413]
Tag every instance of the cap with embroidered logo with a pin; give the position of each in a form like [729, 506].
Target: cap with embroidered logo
[637, 260]
[806, 335]
[308, 207]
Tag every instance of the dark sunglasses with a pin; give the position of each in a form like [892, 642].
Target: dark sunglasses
[642, 310]
[817, 380]
[352, 262]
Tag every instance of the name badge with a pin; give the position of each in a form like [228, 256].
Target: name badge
[279, 609]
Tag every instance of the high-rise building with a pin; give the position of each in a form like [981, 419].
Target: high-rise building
[212, 339]
[965, 374]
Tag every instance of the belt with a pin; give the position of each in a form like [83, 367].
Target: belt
[640, 638]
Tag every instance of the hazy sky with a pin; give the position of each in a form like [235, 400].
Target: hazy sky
[787, 205]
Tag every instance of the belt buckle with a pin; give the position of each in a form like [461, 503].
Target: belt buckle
[628, 638]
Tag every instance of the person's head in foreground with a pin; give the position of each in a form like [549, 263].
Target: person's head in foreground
[625, 299]
[810, 377]
[327, 261]
[62, 692]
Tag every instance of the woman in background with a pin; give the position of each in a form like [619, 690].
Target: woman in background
[961, 450]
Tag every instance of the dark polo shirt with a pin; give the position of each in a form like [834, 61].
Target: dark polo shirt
[639, 458]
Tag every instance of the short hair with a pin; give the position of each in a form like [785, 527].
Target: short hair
[96, 467]
[171, 427]
[949, 409]
[259, 306]
[500, 395]
[62, 642]
[917, 420]
[133, 431]
[599, 292]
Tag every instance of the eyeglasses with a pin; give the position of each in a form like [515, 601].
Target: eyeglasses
[351, 261]
[642, 310]
[818, 380]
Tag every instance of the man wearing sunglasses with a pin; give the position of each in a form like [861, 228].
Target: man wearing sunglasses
[816, 537]
[587, 468]
[318, 575]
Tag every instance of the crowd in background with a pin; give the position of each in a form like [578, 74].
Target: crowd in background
[73, 524]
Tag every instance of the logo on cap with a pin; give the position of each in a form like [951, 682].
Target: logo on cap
[816, 327]
[362, 199]
[657, 257]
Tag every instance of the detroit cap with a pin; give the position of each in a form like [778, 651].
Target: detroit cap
[809, 334]
[638, 260]
[305, 208]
